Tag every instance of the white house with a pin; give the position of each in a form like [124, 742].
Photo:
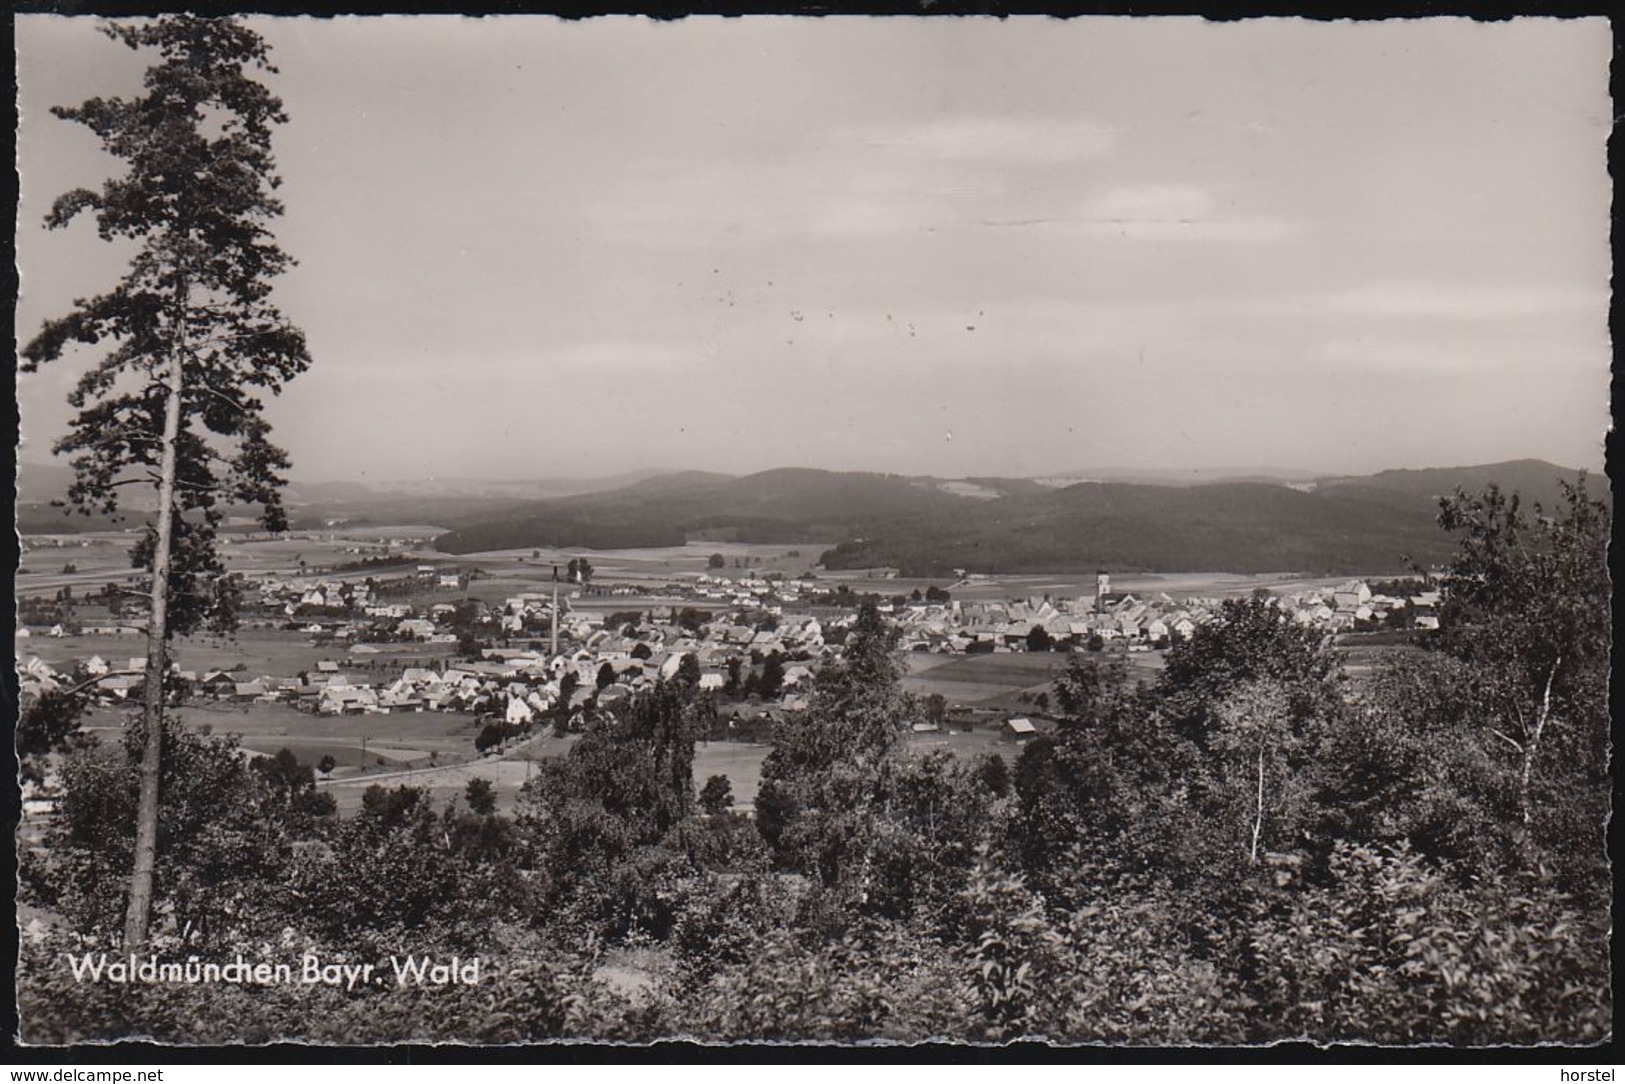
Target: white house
[519, 712]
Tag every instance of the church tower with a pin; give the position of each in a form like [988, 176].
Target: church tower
[1103, 586]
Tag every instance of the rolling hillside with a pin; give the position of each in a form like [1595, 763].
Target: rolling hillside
[927, 528]
[1231, 527]
[786, 505]
[1533, 480]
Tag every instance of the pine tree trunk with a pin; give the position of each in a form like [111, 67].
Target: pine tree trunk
[137, 919]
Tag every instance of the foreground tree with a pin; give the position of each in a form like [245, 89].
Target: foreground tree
[1490, 753]
[226, 846]
[597, 820]
[190, 336]
[1526, 600]
[824, 784]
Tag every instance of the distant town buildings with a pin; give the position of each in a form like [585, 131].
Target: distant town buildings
[534, 651]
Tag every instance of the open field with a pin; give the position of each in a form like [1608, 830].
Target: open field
[508, 572]
[648, 571]
[967, 745]
[660, 564]
[1362, 655]
[262, 651]
[399, 738]
[446, 781]
[102, 557]
[740, 762]
[436, 751]
[996, 680]
[422, 749]
[1143, 584]
[97, 559]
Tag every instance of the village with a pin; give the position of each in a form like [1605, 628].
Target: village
[419, 640]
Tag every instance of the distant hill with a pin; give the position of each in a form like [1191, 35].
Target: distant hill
[312, 492]
[924, 525]
[682, 481]
[1534, 480]
[1224, 527]
[42, 482]
[932, 526]
[317, 504]
[786, 505]
[1187, 476]
[39, 484]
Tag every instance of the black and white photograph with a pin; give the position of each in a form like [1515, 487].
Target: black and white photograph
[845, 531]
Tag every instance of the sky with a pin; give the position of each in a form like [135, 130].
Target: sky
[534, 248]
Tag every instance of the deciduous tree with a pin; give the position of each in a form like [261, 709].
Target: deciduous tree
[481, 797]
[1527, 598]
[717, 796]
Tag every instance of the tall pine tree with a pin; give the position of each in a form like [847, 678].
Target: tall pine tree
[186, 342]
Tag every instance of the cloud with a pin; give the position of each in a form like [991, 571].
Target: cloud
[1174, 212]
[876, 180]
[990, 139]
[1151, 203]
[623, 356]
[1395, 357]
[1465, 301]
[807, 195]
[504, 366]
[1243, 230]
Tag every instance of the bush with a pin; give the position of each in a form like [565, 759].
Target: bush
[1390, 952]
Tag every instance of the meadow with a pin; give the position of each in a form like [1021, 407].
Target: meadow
[998, 680]
[101, 557]
[259, 651]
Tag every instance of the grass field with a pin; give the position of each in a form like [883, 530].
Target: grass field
[1361, 657]
[968, 744]
[436, 751]
[398, 739]
[527, 569]
[104, 556]
[740, 762]
[997, 680]
[273, 652]
[1143, 584]
[660, 564]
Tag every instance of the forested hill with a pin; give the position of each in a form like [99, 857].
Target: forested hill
[787, 505]
[1230, 527]
[928, 527]
[1534, 480]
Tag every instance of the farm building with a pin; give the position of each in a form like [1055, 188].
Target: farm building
[1019, 728]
